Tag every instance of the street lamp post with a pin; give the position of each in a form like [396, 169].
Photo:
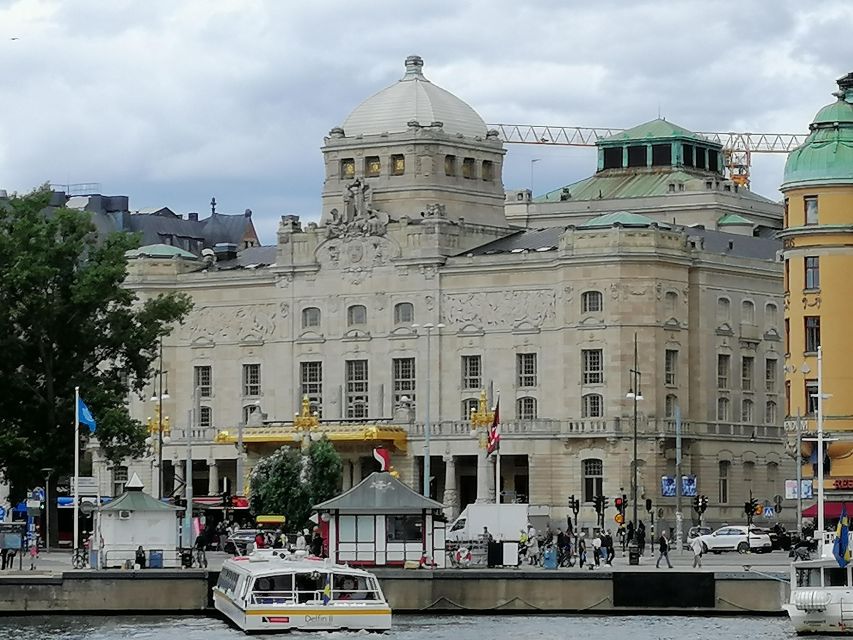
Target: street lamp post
[162, 423]
[429, 326]
[47, 471]
[635, 394]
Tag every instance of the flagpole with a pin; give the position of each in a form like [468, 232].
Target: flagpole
[497, 450]
[76, 466]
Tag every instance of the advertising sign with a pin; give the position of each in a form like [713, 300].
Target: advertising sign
[806, 490]
[688, 486]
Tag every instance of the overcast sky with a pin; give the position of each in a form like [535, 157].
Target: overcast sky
[172, 102]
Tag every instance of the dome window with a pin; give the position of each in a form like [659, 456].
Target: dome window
[347, 168]
[469, 169]
[612, 158]
[637, 156]
[661, 155]
[687, 153]
[488, 170]
[450, 165]
[398, 164]
[372, 166]
[810, 205]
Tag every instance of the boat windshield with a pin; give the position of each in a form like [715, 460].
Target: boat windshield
[833, 577]
[302, 588]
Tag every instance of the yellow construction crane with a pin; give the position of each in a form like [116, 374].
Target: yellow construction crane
[737, 147]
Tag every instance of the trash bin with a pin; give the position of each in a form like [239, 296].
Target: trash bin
[549, 558]
[155, 559]
[493, 554]
[633, 554]
[93, 559]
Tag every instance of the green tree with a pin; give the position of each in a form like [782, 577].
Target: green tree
[290, 482]
[66, 320]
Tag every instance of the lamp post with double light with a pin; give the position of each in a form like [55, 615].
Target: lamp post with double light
[634, 394]
[429, 326]
[160, 424]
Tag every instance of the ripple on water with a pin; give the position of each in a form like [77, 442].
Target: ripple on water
[412, 627]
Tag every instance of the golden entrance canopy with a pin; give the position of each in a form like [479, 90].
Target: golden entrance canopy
[371, 435]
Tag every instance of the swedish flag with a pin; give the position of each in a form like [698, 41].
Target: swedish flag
[840, 549]
[327, 590]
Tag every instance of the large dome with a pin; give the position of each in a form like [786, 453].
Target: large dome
[826, 156]
[413, 98]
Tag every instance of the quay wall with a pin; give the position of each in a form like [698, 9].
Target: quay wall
[492, 591]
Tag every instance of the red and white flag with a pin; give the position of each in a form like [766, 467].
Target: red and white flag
[493, 441]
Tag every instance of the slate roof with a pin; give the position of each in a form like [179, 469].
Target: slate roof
[252, 257]
[138, 500]
[380, 493]
[162, 228]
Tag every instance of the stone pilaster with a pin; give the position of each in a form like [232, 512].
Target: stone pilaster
[212, 478]
[451, 497]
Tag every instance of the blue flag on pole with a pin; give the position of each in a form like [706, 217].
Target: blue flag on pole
[840, 549]
[85, 416]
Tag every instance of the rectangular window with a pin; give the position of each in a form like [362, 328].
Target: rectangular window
[811, 397]
[398, 164]
[403, 372]
[311, 385]
[785, 215]
[747, 369]
[450, 165]
[404, 528]
[724, 481]
[812, 269]
[469, 169]
[593, 479]
[812, 333]
[205, 417]
[119, 480]
[770, 375]
[203, 379]
[671, 368]
[347, 168]
[786, 282]
[787, 336]
[810, 205]
[525, 366]
[372, 166]
[488, 170]
[357, 400]
[251, 379]
[723, 368]
[593, 366]
[472, 372]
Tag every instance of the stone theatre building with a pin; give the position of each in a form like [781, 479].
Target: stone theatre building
[425, 281]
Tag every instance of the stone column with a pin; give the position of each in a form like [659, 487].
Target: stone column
[346, 480]
[451, 498]
[482, 477]
[212, 478]
[356, 471]
[490, 478]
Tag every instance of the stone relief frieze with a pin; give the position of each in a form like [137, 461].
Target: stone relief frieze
[235, 323]
[356, 256]
[499, 308]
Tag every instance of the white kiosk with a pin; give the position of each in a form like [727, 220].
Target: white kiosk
[137, 519]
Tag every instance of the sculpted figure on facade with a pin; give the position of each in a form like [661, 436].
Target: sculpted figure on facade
[359, 218]
[499, 309]
[232, 323]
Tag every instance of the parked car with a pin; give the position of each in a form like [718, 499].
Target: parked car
[780, 539]
[736, 538]
[695, 532]
[238, 542]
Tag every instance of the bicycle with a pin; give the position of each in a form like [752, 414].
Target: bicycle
[80, 559]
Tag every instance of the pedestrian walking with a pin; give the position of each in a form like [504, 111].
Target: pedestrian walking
[698, 549]
[596, 548]
[663, 550]
[641, 538]
[608, 545]
[581, 550]
[629, 533]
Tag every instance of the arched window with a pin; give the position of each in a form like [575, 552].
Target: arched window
[747, 312]
[469, 406]
[592, 406]
[725, 467]
[669, 405]
[205, 417]
[748, 471]
[723, 310]
[249, 416]
[771, 315]
[747, 412]
[404, 313]
[525, 408]
[593, 479]
[356, 315]
[671, 302]
[772, 473]
[722, 409]
[770, 412]
[310, 317]
[591, 302]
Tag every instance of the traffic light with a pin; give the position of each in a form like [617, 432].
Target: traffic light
[605, 503]
[649, 505]
[703, 504]
[619, 504]
[697, 505]
[747, 508]
[598, 501]
[574, 504]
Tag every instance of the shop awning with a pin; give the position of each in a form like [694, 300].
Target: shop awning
[830, 510]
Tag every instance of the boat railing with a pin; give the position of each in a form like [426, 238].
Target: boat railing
[273, 597]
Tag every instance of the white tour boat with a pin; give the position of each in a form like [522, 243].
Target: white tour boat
[272, 590]
[821, 593]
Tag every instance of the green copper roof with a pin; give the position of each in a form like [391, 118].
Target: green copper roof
[159, 251]
[624, 218]
[826, 156]
[657, 129]
[732, 219]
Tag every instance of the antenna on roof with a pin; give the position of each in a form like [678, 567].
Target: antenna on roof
[213, 205]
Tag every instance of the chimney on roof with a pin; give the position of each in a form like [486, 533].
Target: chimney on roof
[193, 215]
[225, 251]
[248, 213]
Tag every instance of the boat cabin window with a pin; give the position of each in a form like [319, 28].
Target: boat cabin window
[273, 589]
[228, 580]
[808, 577]
[309, 586]
[353, 588]
[836, 577]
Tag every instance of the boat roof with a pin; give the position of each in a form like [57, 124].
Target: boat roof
[271, 563]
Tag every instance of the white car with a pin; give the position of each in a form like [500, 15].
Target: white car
[734, 538]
